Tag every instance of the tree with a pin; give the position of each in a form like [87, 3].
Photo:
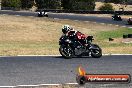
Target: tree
[106, 7]
[11, 3]
[65, 4]
[121, 3]
[54, 4]
[117, 1]
[26, 4]
[78, 4]
[48, 4]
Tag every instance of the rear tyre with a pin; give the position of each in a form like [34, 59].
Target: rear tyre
[46, 15]
[39, 15]
[66, 52]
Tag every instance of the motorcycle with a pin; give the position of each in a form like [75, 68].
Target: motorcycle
[42, 14]
[129, 21]
[117, 18]
[71, 47]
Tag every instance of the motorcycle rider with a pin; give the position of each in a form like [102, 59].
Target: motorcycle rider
[71, 33]
[129, 19]
[115, 15]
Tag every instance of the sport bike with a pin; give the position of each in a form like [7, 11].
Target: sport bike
[117, 18]
[71, 47]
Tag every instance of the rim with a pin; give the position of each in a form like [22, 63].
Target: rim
[66, 51]
[96, 51]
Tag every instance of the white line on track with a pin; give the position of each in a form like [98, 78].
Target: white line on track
[27, 85]
[60, 55]
[76, 20]
[72, 83]
[38, 55]
[116, 25]
[4, 14]
[123, 26]
[86, 21]
[17, 15]
[94, 22]
[39, 85]
[110, 24]
[116, 54]
[56, 18]
[49, 84]
[102, 23]
[7, 86]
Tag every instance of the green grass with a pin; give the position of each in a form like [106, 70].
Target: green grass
[116, 46]
[103, 37]
[114, 34]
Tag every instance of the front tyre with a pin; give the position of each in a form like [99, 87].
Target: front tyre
[66, 52]
[96, 52]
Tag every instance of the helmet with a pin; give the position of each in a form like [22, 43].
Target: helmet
[66, 28]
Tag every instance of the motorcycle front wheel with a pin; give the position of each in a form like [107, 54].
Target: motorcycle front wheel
[66, 52]
[96, 52]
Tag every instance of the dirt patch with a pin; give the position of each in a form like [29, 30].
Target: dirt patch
[118, 46]
[117, 50]
[38, 36]
[127, 40]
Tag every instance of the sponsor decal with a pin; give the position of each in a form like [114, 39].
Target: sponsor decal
[83, 77]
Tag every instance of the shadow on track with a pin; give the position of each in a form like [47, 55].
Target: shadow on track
[72, 57]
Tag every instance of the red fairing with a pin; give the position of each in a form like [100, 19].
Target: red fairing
[80, 35]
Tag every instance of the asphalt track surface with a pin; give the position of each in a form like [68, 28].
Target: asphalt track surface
[51, 70]
[106, 20]
[25, 70]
